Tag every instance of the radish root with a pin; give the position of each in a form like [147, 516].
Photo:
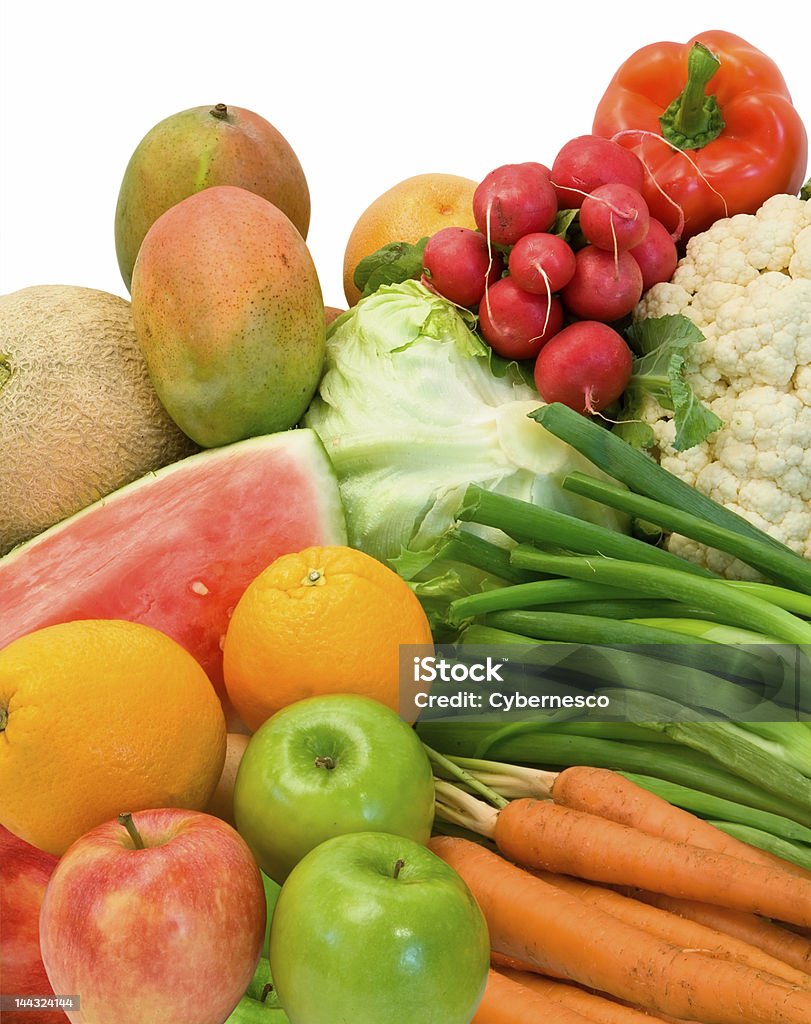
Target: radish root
[643, 134]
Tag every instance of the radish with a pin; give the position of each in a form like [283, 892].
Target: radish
[541, 263]
[614, 217]
[657, 255]
[586, 366]
[514, 200]
[587, 162]
[457, 265]
[605, 286]
[515, 323]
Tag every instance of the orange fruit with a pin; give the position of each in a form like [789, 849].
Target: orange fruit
[99, 717]
[411, 210]
[322, 620]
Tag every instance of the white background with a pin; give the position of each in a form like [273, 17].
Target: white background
[366, 93]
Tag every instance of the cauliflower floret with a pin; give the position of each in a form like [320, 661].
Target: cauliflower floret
[746, 283]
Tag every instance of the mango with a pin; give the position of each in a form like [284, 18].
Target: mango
[228, 312]
[199, 148]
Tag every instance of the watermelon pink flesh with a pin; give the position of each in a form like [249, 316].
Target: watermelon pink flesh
[176, 549]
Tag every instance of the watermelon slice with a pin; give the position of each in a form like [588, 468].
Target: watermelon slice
[177, 548]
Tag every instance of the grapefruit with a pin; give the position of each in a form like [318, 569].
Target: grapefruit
[413, 209]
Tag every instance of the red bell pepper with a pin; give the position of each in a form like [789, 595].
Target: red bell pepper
[708, 156]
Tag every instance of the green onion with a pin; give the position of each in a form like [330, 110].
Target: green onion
[639, 472]
[699, 629]
[463, 546]
[656, 581]
[798, 853]
[524, 521]
[634, 608]
[771, 561]
[537, 745]
[800, 604]
[526, 595]
[478, 634]
[736, 750]
[587, 629]
[787, 741]
[612, 731]
[708, 806]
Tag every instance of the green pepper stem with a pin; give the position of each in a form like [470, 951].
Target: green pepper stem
[694, 119]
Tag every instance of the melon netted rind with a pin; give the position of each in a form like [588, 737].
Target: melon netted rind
[79, 416]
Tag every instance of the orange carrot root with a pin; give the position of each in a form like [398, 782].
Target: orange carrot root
[610, 795]
[677, 930]
[778, 942]
[507, 1002]
[592, 1007]
[550, 928]
[540, 834]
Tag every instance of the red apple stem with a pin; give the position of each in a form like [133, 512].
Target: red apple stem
[398, 867]
[125, 819]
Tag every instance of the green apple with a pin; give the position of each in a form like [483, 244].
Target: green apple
[325, 766]
[272, 890]
[373, 928]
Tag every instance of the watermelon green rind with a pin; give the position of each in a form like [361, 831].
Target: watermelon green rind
[176, 548]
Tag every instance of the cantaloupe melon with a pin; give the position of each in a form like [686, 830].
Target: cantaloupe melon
[79, 416]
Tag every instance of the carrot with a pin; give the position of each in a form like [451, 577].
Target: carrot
[540, 834]
[550, 928]
[610, 795]
[778, 942]
[499, 960]
[677, 930]
[594, 1008]
[507, 1002]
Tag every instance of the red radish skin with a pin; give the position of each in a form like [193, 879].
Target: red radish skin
[515, 323]
[520, 199]
[541, 263]
[605, 286]
[615, 217]
[587, 162]
[657, 255]
[458, 265]
[586, 366]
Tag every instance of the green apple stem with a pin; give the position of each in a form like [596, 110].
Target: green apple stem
[398, 867]
[125, 819]
[265, 992]
[325, 761]
[451, 767]
[459, 808]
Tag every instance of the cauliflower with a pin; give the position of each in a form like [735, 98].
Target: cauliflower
[746, 284]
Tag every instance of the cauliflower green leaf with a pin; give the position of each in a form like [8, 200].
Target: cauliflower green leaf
[659, 372]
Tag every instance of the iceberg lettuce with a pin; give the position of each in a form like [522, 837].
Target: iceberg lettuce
[413, 407]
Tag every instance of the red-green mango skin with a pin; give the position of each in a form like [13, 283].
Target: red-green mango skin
[228, 312]
[197, 149]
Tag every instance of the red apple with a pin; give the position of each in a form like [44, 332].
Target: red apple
[163, 933]
[24, 873]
